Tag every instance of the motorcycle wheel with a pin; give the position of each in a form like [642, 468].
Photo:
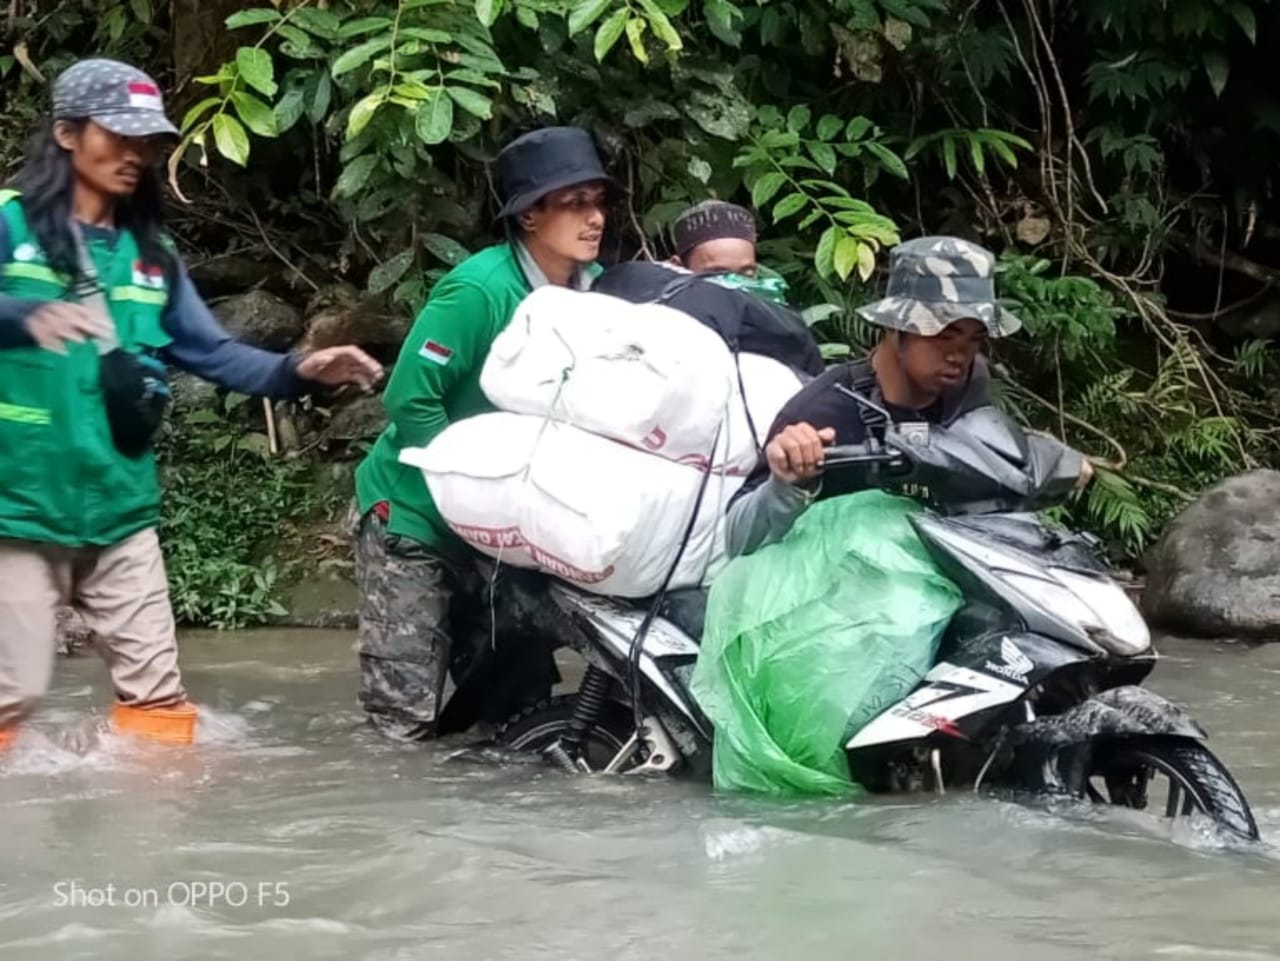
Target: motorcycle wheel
[539, 727]
[1197, 781]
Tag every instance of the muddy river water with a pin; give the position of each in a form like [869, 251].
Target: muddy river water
[292, 832]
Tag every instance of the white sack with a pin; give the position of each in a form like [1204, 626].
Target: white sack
[768, 385]
[596, 513]
[643, 374]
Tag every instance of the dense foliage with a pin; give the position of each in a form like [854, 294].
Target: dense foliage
[1119, 153]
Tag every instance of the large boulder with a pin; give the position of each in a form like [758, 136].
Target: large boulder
[260, 319]
[1216, 570]
[341, 315]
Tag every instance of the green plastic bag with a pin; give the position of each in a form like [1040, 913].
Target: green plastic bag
[809, 639]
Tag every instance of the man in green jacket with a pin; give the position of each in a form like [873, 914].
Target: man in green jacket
[411, 567]
[93, 302]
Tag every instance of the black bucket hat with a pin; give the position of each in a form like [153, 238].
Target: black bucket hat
[546, 160]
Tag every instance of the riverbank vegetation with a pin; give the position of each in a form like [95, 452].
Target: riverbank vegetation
[1120, 154]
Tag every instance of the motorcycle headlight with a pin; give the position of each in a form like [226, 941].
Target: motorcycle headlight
[1099, 608]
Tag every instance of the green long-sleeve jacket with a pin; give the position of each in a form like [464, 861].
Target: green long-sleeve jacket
[436, 381]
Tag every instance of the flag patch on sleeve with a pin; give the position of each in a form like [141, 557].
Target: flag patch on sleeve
[436, 352]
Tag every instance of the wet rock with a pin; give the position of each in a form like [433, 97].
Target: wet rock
[361, 419]
[190, 393]
[341, 315]
[1260, 321]
[1216, 571]
[230, 274]
[261, 319]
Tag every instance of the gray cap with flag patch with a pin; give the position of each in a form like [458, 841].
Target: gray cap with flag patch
[113, 95]
[936, 281]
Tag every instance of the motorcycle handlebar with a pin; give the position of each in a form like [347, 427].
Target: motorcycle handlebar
[855, 455]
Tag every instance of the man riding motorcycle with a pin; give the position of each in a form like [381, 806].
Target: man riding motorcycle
[938, 315]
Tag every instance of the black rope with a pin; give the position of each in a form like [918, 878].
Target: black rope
[637, 642]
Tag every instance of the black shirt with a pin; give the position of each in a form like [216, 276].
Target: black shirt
[821, 405]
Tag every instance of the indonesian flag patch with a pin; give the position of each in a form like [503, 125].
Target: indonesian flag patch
[144, 96]
[150, 277]
[436, 352]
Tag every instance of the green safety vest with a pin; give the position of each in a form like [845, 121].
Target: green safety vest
[62, 481]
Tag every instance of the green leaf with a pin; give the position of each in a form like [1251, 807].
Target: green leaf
[198, 111]
[585, 13]
[249, 18]
[527, 18]
[476, 104]
[1218, 67]
[766, 188]
[846, 256]
[446, 248]
[473, 76]
[635, 36]
[829, 128]
[824, 258]
[319, 23]
[298, 44]
[488, 11]
[257, 116]
[231, 139]
[661, 25]
[949, 157]
[363, 112]
[975, 154]
[699, 169]
[363, 25]
[257, 69]
[289, 110]
[385, 275]
[798, 119]
[355, 175]
[435, 119]
[824, 155]
[1003, 151]
[857, 128]
[321, 98]
[426, 35]
[888, 159]
[788, 205]
[609, 33]
[142, 10]
[358, 56]
[820, 312]
[1244, 16]
[866, 262]
[722, 17]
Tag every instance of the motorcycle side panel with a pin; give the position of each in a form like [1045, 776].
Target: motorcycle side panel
[980, 673]
[949, 692]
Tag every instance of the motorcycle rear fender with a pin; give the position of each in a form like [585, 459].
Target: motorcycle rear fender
[1119, 712]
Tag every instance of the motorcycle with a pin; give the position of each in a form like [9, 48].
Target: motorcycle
[1037, 689]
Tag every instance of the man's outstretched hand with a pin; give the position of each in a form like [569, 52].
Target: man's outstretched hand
[336, 366]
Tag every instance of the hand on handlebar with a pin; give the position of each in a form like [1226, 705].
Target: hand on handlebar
[795, 454]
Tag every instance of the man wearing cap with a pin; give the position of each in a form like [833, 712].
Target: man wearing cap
[716, 237]
[412, 569]
[939, 312]
[93, 302]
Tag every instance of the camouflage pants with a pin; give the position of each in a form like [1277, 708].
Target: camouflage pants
[405, 636]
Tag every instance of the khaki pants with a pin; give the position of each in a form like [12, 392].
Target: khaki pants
[122, 594]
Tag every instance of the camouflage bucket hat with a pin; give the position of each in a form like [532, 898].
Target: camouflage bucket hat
[936, 281]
